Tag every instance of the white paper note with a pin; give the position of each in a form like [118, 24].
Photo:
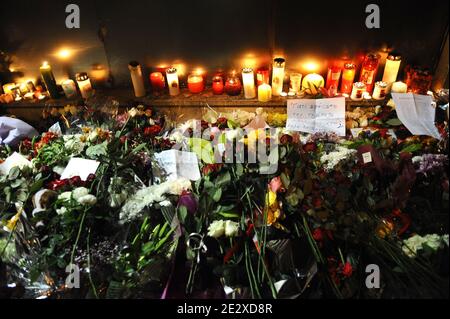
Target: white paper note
[80, 167]
[321, 115]
[178, 164]
[416, 113]
[14, 160]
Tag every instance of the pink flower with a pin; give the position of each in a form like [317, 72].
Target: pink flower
[276, 184]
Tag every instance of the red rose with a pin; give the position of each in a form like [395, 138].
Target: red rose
[347, 270]
[286, 139]
[76, 181]
[210, 168]
[90, 178]
[317, 202]
[57, 184]
[317, 234]
[310, 147]
[152, 130]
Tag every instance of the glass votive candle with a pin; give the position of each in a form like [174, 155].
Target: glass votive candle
[379, 93]
[262, 76]
[264, 92]
[157, 81]
[358, 90]
[69, 88]
[233, 85]
[295, 82]
[420, 82]
[195, 83]
[217, 84]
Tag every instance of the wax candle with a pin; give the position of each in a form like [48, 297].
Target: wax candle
[23, 88]
[84, 84]
[399, 87]
[98, 73]
[69, 88]
[172, 80]
[137, 78]
[348, 75]
[196, 83]
[262, 76]
[379, 93]
[369, 70]
[420, 82]
[358, 90]
[391, 69]
[30, 86]
[278, 76]
[312, 83]
[157, 80]
[295, 80]
[264, 93]
[333, 76]
[217, 84]
[8, 87]
[233, 85]
[49, 80]
[248, 80]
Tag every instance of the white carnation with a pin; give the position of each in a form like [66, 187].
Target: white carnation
[231, 228]
[89, 200]
[216, 229]
[79, 192]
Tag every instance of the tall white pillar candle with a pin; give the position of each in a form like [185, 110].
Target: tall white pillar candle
[278, 76]
[248, 79]
[172, 81]
[137, 78]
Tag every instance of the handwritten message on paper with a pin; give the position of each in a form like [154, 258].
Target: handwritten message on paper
[321, 115]
[178, 164]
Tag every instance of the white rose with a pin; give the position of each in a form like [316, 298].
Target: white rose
[61, 211]
[133, 112]
[79, 192]
[65, 196]
[87, 200]
[231, 228]
[445, 239]
[216, 229]
[433, 241]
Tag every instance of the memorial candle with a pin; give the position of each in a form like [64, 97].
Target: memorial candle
[8, 87]
[69, 88]
[264, 93]
[369, 71]
[248, 80]
[358, 90]
[333, 76]
[262, 76]
[233, 85]
[49, 80]
[379, 93]
[217, 84]
[278, 76]
[348, 75]
[295, 82]
[391, 69]
[172, 81]
[84, 84]
[195, 83]
[137, 78]
[157, 81]
[399, 87]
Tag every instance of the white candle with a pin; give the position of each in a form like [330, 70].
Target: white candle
[264, 93]
[312, 83]
[358, 91]
[136, 78]
[69, 88]
[248, 80]
[278, 76]
[391, 70]
[379, 93]
[84, 84]
[172, 80]
[399, 87]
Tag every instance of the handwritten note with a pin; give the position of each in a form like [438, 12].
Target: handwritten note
[416, 113]
[178, 164]
[80, 167]
[321, 115]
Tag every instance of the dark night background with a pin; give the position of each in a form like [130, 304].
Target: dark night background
[219, 33]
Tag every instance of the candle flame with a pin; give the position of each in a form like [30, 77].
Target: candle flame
[311, 66]
[64, 53]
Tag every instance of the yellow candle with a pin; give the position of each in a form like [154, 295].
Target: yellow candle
[264, 93]
[8, 87]
[312, 83]
[172, 80]
[248, 80]
[296, 82]
[391, 69]
[278, 76]
[399, 87]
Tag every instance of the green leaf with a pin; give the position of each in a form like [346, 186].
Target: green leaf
[98, 150]
[223, 179]
[14, 173]
[203, 149]
[394, 122]
[411, 148]
[182, 214]
[217, 194]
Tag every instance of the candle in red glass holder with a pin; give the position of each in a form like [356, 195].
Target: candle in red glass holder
[233, 85]
[420, 81]
[348, 75]
[217, 84]
[157, 81]
[369, 70]
[196, 83]
[262, 76]
[334, 75]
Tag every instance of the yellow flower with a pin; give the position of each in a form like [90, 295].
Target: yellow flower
[271, 198]
[11, 224]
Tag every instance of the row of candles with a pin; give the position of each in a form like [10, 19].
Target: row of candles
[341, 73]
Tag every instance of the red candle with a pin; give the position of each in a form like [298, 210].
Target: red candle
[233, 85]
[157, 81]
[333, 76]
[369, 71]
[195, 83]
[217, 84]
[262, 76]
[348, 75]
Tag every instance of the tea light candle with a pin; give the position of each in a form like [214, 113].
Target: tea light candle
[172, 80]
[283, 94]
[278, 76]
[8, 88]
[98, 73]
[379, 93]
[391, 69]
[69, 88]
[399, 87]
[84, 84]
[248, 80]
[136, 78]
[295, 82]
[195, 83]
[233, 85]
[348, 75]
[358, 90]
[264, 93]
[157, 81]
[217, 84]
[312, 83]
[49, 80]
